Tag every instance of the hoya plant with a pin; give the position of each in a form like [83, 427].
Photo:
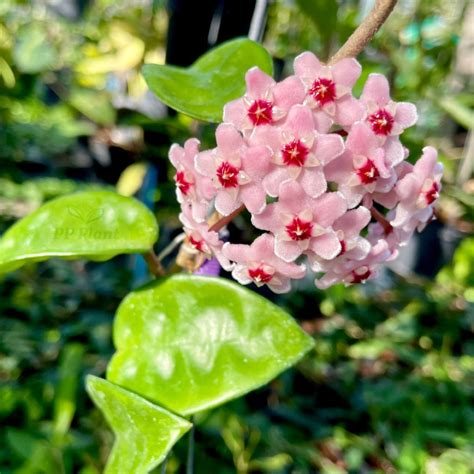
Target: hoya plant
[325, 179]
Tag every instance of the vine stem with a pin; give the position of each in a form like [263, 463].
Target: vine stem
[154, 264]
[354, 45]
[171, 246]
[380, 218]
[361, 37]
[191, 442]
[163, 466]
[223, 221]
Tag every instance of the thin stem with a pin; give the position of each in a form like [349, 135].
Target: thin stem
[163, 465]
[153, 264]
[225, 220]
[171, 246]
[191, 442]
[380, 218]
[356, 43]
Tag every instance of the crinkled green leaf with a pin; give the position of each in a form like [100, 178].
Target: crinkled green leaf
[144, 433]
[216, 78]
[191, 343]
[96, 225]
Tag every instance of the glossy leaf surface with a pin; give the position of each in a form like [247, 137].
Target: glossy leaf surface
[96, 225]
[216, 78]
[191, 343]
[144, 433]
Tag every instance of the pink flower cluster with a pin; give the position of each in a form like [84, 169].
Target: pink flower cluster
[322, 173]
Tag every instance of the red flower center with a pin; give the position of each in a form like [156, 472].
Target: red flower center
[196, 243]
[381, 122]
[260, 112]
[343, 248]
[298, 229]
[323, 90]
[367, 173]
[361, 277]
[183, 185]
[259, 275]
[432, 194]
[295, 153]
[227, 175]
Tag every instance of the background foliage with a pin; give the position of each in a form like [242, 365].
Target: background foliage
[389, 385]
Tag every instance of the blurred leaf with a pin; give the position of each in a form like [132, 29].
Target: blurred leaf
[95, 105]
[38, 455]
[144, 432]
[371, 349]
[452, 461]
[216, 78]
[458, 111]
[131, 179]
[274, 463]
[33, 51]
[6, 73]
[65, 400]
[97, 225]
[323, 13]
[126, 53]
[191, 343]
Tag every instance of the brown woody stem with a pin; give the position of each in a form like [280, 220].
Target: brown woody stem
[380, 218]
[153, 264]
[225, 220]
[356, 43]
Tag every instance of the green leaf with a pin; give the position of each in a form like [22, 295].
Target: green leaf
[462, 114]
[323, 13]
[65, 399]
[96, 225]
[33, 52]
[190, 343]
[216, 78]
[144, 432]
[95, 105]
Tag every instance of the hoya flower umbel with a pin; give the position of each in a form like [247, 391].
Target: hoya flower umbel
[236, 171]
[265, 101]
[345, 202]
[329, 89]
[257, 263]
[302, 224]
[299, 152]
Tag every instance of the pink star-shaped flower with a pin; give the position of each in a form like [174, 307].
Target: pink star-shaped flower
[386, 118]
[361, 170]
[257, 263]
[359, 271]
[301, 223]
[328, 90]
[199, 239]
[418, 190]
[191, 187]
[265, 101]
[353, 245]
[236, 171]
[299, 152]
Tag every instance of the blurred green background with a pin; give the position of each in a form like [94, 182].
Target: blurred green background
[390, 385]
